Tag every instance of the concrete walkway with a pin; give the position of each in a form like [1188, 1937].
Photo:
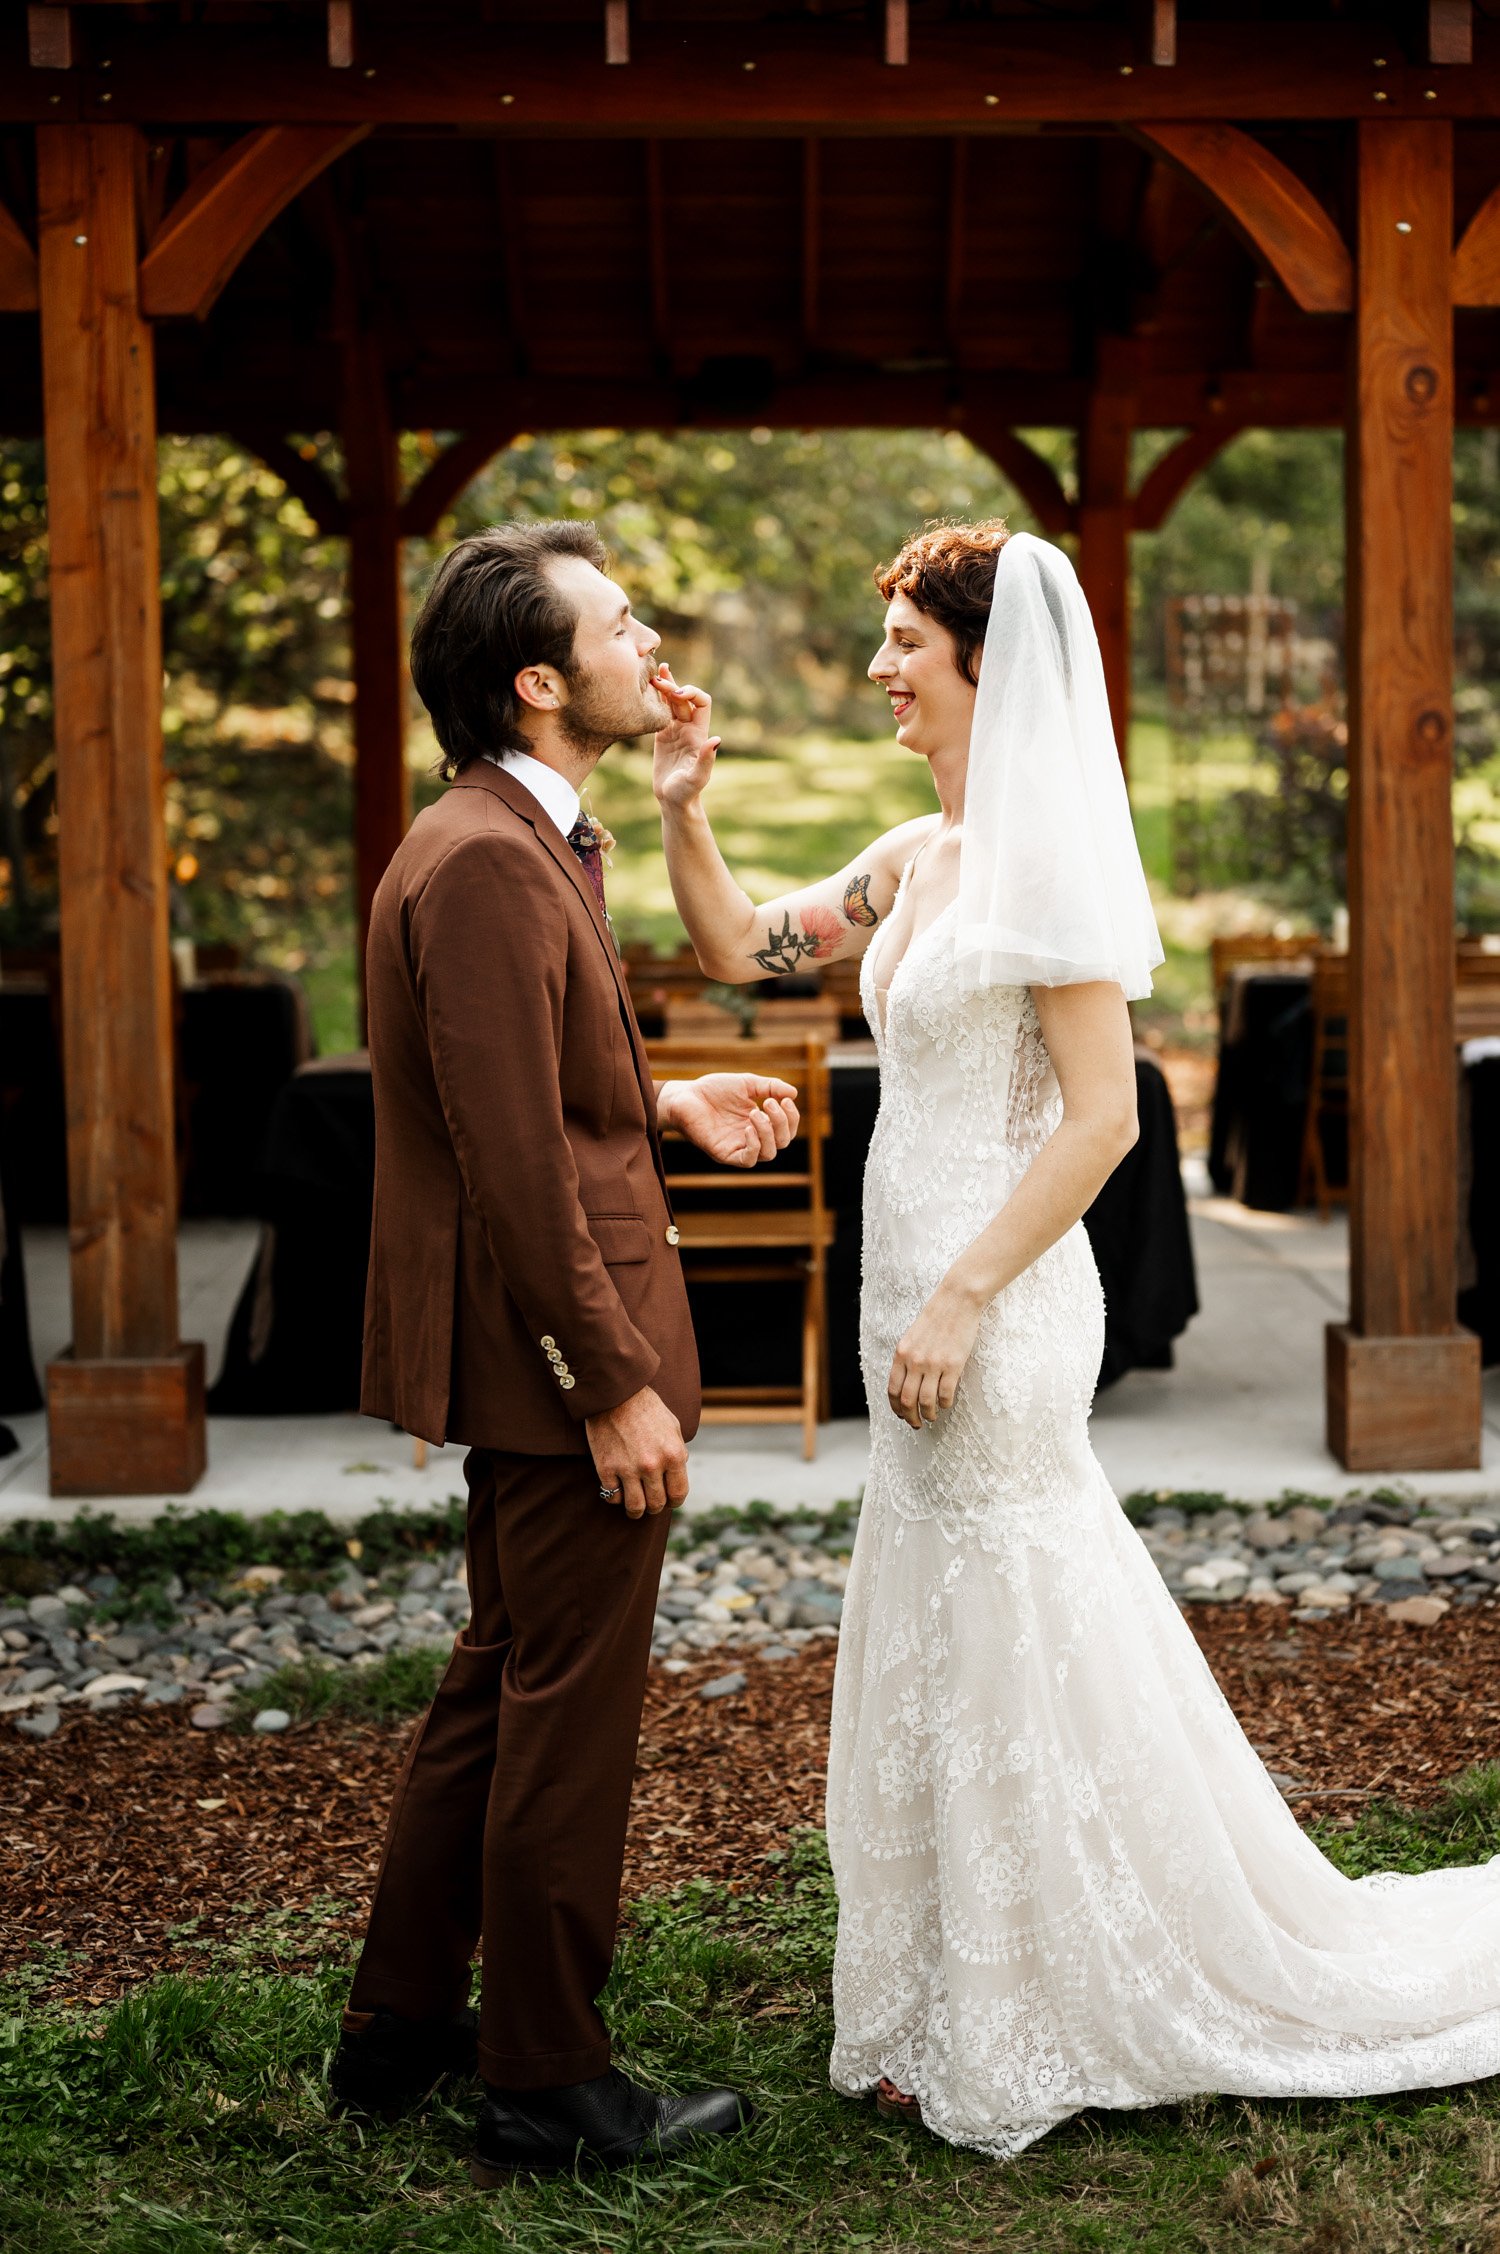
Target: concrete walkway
[1240, 1415]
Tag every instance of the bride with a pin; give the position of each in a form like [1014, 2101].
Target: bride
[1064, 1877]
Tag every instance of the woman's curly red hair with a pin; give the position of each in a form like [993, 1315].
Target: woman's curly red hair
[948, 571]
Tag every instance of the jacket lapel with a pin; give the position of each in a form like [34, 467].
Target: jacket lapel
[483, 774]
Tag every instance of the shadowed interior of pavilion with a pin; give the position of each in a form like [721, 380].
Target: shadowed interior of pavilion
[475, 220]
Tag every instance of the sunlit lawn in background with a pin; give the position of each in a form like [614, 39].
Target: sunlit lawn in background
[796, 812]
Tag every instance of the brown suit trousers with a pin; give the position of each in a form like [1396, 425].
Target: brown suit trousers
[509, 1815]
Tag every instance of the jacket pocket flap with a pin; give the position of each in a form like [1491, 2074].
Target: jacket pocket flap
[621, 1237]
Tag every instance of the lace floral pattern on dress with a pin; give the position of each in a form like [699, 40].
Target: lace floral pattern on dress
[1064, 1876]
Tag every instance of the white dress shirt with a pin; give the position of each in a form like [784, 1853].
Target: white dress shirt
[552, 791]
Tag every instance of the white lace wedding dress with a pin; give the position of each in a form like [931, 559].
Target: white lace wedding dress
[1064, 1877]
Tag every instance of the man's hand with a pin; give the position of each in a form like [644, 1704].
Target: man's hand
[683, 752]
[640, 1454]
[737, 1117]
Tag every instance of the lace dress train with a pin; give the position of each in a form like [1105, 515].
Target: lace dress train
[1064, 1877]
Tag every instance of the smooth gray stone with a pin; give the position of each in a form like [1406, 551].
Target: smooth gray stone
[1404, 1568]
[40, 1724]
[124, 1647]
[47, 1612]
[776, 1651]
[426, 1575]
[37, 1678]
[163, 1694]
[271, 1719]
[13, 1616]
[723, 1686]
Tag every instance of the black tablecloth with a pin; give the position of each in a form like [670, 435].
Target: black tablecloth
[294, 1343]
[19, 1391]
[1260, 1094]
[239, 1041]
[1479, 1304]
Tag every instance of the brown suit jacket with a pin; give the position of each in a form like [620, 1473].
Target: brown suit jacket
[522, 1275]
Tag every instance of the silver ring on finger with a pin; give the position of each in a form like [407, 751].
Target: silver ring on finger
[608, 1494]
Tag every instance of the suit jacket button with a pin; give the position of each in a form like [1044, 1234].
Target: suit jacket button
[553, 1355]
[567, 1383]
[674, 1234]
[548, 1344]
[560, 1371]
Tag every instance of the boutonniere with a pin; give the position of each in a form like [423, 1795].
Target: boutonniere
[603, 838]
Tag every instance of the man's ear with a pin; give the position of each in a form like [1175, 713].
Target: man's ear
[541, 688]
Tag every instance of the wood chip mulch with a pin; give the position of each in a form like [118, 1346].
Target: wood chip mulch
[124, 1826]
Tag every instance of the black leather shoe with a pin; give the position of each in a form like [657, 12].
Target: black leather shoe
[385, 2064]
[604, 2123]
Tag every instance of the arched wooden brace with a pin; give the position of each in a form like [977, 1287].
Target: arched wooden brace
[1476, 262]
[1029, 472]
[321, 499]
[1278, 218]
[444, 479]
[228, 207]
[1168, 479]
[18, 267]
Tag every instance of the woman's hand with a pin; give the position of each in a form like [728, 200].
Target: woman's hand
[683, 752]
[931, 1356]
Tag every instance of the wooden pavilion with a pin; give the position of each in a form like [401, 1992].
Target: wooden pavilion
[477, 217]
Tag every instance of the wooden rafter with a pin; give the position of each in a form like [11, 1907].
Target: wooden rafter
[1169, 478]
[656, 239]
[18, 267]
[228, 207]
[812, 240]
[617, 31]
[49, 37]
[508, 200]
[953, 278]
[1450, 31]
[302, 477]
[1280, 219]
[1157, 32]
[1476, 262]
[440, 484]
[1029, 472]
[343, 35]
[897, 32]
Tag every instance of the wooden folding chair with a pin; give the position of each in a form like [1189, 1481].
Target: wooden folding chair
[1228, 952]
[1327, 1080]
[766, 1241]
[779, 1018]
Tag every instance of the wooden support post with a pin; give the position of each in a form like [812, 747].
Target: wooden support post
[1104, 519]
[126, 1405]
[49, 35]
[382, 799]
[1403, 1381]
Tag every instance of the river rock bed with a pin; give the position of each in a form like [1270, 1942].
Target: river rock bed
[762, 1589]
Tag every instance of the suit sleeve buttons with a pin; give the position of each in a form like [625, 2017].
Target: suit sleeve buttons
[674, 1234]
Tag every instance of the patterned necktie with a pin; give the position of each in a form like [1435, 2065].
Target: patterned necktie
[586, 845]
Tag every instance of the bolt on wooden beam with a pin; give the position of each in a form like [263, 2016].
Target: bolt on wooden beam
[617, 31]
[897, 31]
[49, 33]
[341, 35]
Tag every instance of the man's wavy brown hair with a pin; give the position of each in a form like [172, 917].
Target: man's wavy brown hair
[948, 571]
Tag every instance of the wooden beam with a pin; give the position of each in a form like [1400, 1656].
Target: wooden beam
[1280, 219]
[656, 249]
[111, 1430]
[897, 32]
[616, 31]
[1029, 472]
[812, 241]
[1450, 31]
[322, 501]
[18, 267]
[953, 276]
[343, 35]
[228, 207]
[1476, 262]
[809, 75]
[382, 791]
[1156, 22]
[441, 483]
[49, 37]
[1403, 1381]
[1104, 520]
[1169, 477]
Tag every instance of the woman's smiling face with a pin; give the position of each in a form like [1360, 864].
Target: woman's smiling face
[917, 666]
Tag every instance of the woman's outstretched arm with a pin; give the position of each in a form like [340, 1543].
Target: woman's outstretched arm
[735, 939]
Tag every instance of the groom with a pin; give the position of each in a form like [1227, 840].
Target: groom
[526, 1297]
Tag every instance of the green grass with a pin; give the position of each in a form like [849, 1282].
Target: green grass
[399, 1682]
[191, 2119]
